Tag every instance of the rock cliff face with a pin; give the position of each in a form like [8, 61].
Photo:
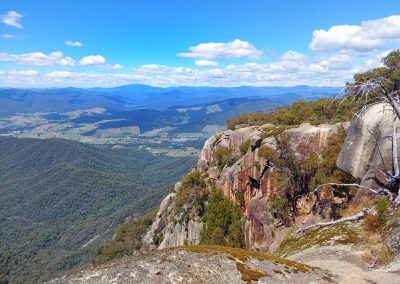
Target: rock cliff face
[247, 181]
[368, 146]
[169, 230]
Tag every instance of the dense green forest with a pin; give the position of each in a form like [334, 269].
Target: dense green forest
[57, 195]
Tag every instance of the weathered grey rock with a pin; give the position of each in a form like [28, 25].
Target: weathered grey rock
[215, 265]
[159, 224]
[372, 127]
[307, 138]
[321, 212]
[179, 234]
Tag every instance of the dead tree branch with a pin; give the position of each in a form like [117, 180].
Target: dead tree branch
[354, 217]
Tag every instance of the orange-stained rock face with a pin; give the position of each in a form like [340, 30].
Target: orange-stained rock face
[248, 182]
[238, 179]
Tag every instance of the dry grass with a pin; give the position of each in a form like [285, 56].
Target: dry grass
[244, 255]
[372, 222]
[248, 274]
[344, 233]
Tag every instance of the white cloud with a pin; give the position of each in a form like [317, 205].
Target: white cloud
[369, 36]
[98, 61]
[214, 50]
[24, 72]
[6, 36]
[204, 62]
[92, 60]
[335, 62]
[59, 74]
[37, 58]
[292, 68]
[161, 69]
[73, 43]
[13, 19]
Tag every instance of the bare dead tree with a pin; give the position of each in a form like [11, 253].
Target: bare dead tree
[376, 90]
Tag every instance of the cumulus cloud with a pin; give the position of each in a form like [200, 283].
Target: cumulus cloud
[73, 43]
[215, 50]
[13, 19]
[92, 60]
[37, 58]
[203, 62]
[6, 36]
[369, 36]
[98, 61]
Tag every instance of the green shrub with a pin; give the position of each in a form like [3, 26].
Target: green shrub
[250, 118]
[280, 208]
[268, 153]
[193, 179]
[223, 222]
[224, 157]
[382, 205]
[240, 198]
[244, 147]
[193, 194]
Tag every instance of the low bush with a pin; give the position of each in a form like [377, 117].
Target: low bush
[193, 179]
[223, 222]
[280, 209]
[244, 147]
[224, 157]
[193, 194]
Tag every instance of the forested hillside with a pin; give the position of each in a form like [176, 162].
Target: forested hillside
[57, 195]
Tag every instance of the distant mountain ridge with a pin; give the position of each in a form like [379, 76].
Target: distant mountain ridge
[141, 96]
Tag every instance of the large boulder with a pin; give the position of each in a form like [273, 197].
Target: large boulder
[367, 148]
[308, 138]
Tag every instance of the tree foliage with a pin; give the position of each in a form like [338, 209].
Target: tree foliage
[223, 222]
[56, 195]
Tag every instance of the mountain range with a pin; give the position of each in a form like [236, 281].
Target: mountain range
[141, 96]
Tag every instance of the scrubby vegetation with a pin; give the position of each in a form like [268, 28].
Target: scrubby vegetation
[192, 195]
[224, 224]
[224, 157]
[374, 222]
[56, 195]
[299, 175]
[250, 118]
[314, 112]
[345, 233]
[280, 209]
[244, 147]
[127, 239]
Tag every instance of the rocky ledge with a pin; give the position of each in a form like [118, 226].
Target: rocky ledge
[201, 264]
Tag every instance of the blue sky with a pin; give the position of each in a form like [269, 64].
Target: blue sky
[192, 42]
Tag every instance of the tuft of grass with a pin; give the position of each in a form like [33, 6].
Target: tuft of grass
[278, 271]
[248, 274]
